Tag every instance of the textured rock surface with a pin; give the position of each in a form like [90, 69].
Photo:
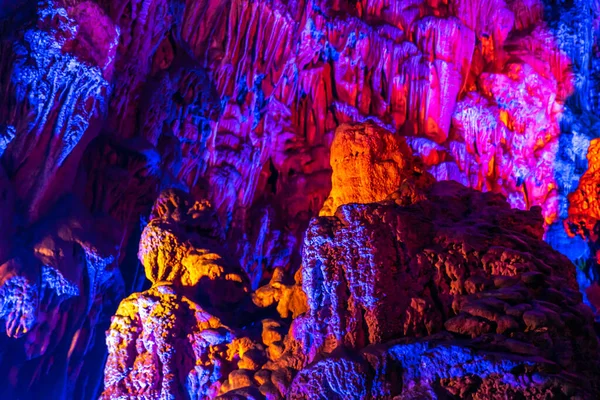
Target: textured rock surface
[59, 86]
[54, 288]
[583, 221]
[368, 164]
[455, 294]
[254, 107]
[480, 85]
[171, 340]
[189, 335]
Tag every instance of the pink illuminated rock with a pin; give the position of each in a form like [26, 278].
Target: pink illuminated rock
[143, 27]
[435, 79]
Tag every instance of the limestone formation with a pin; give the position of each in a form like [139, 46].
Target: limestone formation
[455, 294]
[176, 338]
[242, 121]
[53, 291]
[368, 164]
[451, 293]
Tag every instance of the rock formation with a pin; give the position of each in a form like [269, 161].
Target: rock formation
[173, 335]
[453, 294]
[368, 164]
[583, 221]
[254, 117]
[56, 283]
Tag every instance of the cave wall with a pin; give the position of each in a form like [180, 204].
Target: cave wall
[107, 103]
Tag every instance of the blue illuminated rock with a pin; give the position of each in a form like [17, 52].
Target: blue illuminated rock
[455, 294]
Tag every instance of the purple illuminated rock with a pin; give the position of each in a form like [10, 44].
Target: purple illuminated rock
[450, 292]
[455, 293]
[105, 103]
[59, 87]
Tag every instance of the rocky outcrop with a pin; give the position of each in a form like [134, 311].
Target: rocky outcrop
[584, 210]
[368, 164]
[582, 221]
[55, 99]
[177, 337]
[453, 294]
[58, 280]
[56, 283]
[274, 112]
[479, 87]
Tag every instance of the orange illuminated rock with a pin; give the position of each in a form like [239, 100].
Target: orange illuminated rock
[584, 203]
[290, 299]
[145, 340]
[369, 163]
[186, 327]
[181, 246]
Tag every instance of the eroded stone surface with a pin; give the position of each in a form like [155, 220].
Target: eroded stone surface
[54, 286]
[238, 102]
[59, 87]
[368, 164]
[176, 338]
[450, 292]
[458, 263]
[583, 221]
